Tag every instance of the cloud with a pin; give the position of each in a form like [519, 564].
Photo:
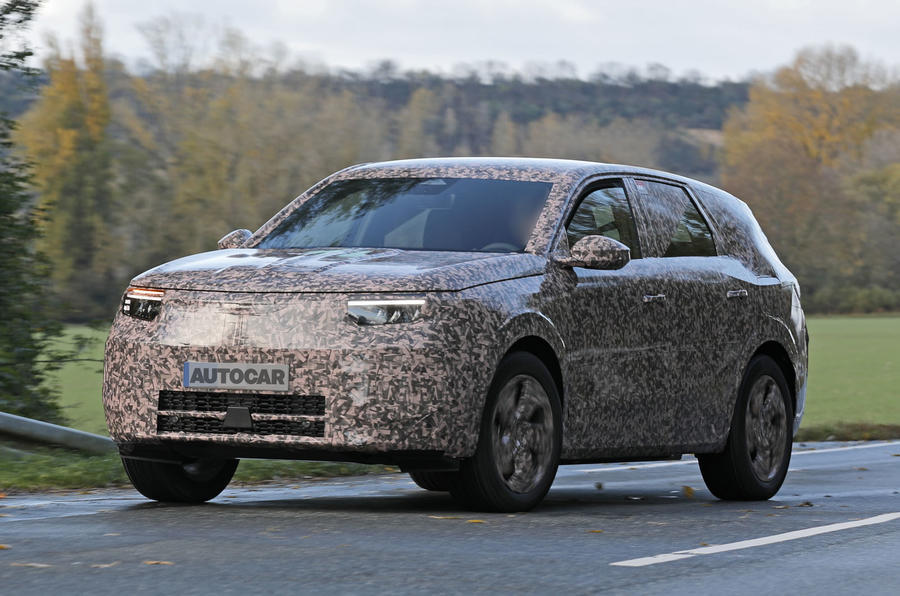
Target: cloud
[720, 38]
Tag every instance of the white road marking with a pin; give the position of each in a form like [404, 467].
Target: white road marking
[693, 460]
[721, 548]
[848, 448]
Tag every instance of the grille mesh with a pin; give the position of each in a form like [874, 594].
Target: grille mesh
[209, 401]
[189, 424]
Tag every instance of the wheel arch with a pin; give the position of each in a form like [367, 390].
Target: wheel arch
[541, 348]
[782, 358]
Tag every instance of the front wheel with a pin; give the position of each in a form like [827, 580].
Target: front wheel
[756, 457]
[519, 443]
[192, 482]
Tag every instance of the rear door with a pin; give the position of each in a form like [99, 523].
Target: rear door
[700, 295]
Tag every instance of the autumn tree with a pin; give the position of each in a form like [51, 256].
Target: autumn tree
[65, 136]
[789, 153]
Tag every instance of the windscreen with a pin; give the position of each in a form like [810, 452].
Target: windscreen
[452, 214]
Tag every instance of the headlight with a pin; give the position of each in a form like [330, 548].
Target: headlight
[142, 303]
[381, 312]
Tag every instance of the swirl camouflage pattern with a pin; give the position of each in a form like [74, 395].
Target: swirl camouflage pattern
[646, 354]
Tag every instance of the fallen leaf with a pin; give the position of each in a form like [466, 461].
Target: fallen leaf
[688, 491]
[704, 544]
[805, 504]
[862, 469]
[771, 515]
[4, 547]
[598, 486]
[35, 565]
[896, 454]
[158, 563]
[4, 515]
[104, 565]
[474, 521]
[781, 506]
[444, 516]
[112, 534]
[595, 531]
[2, 495]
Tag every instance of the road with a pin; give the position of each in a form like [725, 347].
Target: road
[650, 528]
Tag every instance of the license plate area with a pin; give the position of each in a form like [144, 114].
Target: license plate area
[236, 375]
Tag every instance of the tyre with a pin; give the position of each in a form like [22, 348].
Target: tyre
[519, 441]
[192, 482]
[435, 481]
[758, 452]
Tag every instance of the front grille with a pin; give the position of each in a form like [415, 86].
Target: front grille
[298, 415]
[190, 424]
[209, 401]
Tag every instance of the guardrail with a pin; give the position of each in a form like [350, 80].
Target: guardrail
[54, 434]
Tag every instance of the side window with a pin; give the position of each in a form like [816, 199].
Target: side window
[675, 226]
[604, 211]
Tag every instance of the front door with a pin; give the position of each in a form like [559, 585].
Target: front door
[610, 321]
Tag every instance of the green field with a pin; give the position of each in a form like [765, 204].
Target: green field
[79, 383]
[854, 375]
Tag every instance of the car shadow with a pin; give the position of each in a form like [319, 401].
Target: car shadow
[569, 499]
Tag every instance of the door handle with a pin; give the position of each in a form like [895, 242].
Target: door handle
[736, 294]
[654, 297]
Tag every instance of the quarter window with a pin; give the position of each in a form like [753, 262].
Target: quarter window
[604, 211]
[675, 226]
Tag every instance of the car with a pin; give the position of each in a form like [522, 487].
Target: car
[476, 322]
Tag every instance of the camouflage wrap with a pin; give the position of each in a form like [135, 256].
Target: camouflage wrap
[637, 377]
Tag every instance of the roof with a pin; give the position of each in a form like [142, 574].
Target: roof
[532, 165]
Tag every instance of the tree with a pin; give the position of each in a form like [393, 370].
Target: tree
[65, 135]
[26, 331]
[790, 153]
[504, 137]
[416, 124]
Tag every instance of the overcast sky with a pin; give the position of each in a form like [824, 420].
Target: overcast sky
[719, 38]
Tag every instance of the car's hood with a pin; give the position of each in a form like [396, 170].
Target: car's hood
[338, 270]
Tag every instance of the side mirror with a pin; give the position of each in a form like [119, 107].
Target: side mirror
[235, 239]
[597, 252]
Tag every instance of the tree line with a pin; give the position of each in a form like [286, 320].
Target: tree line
[135, 168]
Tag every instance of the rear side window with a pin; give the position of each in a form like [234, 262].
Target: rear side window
[675, 226]
[604, 211]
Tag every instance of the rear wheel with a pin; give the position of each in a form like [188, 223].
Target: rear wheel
[435, 481]
[192, 482]
[756, 457]
[520, 440]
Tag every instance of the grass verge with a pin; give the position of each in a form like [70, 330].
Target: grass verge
[849, 432]
[22, 471]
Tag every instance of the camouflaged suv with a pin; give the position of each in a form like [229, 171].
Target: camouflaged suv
[475, 321]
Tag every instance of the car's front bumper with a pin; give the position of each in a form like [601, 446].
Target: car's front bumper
[396, 388]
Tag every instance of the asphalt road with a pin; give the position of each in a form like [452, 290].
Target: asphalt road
[649, 528]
